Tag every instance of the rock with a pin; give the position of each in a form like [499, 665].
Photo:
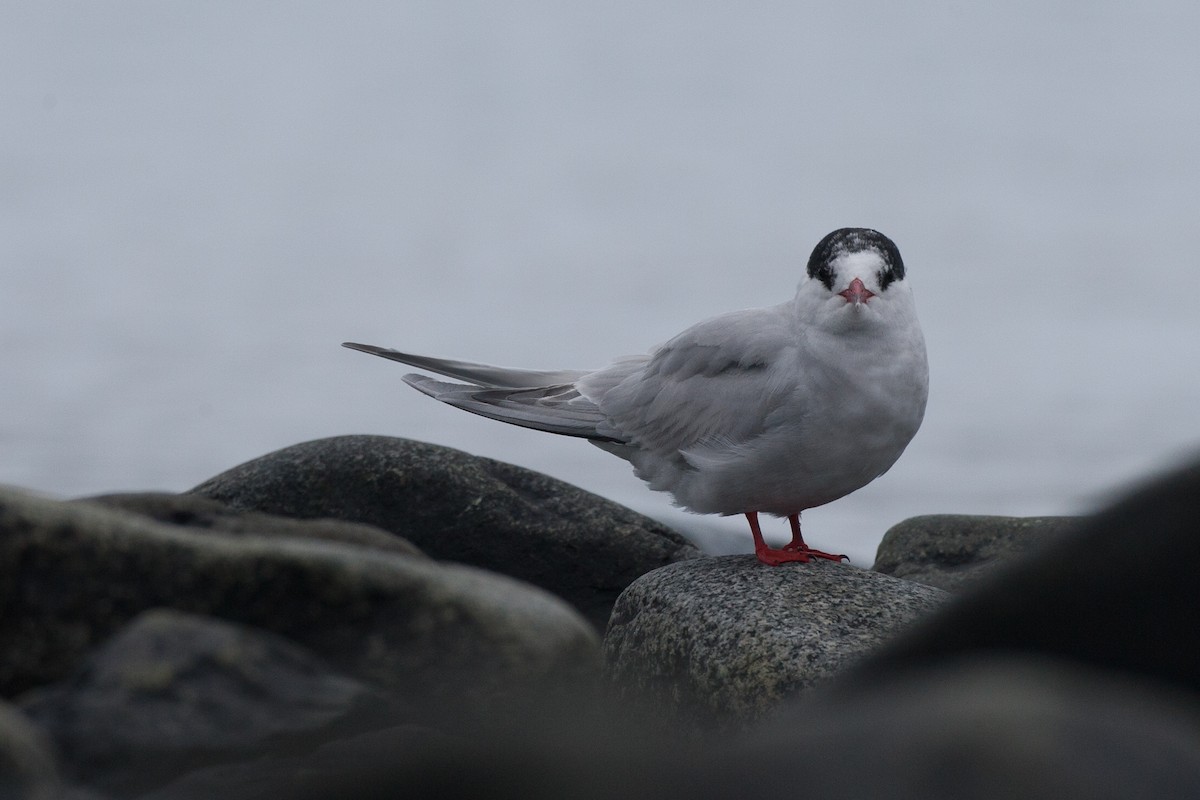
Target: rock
[204, 514]
[27, 768]
[1117, 593]
[951, 551]
[992, 728]
[174, 691]
[448, 635]
[463, 508]
[728, 639]
[984, 727]
[1069, 672]
[287, 774]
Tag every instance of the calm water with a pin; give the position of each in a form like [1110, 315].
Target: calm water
[199, 202]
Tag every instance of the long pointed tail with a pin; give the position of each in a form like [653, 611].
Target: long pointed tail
[542, 400]
[478, 374]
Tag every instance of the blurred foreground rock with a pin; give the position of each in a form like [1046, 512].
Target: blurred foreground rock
[74, 573]
[953, 551]
[464, 508]
[986, 729]
[1116, 593]
[27, 768]
[172, 692]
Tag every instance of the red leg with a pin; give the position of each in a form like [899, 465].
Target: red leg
[797, 544]
[769, 555]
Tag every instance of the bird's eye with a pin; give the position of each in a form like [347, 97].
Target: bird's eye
[890, 273]
[824, 274]
[893, 266]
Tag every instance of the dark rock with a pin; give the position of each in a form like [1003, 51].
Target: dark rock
[728, 639]
[1117, 593]
[286, 774]
[449, 635]
[460, 507]
[204, 514]
[984, 728]
[951, 551]
[27, 768]
[987, 729]
[173, 691]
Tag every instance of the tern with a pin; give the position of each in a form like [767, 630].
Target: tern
[770, 410]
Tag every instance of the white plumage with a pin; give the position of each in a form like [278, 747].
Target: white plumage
[770, 410]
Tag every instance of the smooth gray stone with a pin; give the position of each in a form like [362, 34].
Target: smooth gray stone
[201, 514]
[464, 508]
[952, 551]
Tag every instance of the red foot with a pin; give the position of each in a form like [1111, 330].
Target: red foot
[797, 551]
[774, 557]
[808, 551]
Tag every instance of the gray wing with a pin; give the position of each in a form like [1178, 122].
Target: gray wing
[542, 400]
[707, 392]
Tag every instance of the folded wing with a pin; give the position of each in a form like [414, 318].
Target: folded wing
[706, 393]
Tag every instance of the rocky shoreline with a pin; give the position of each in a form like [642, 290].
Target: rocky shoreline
[366, 616]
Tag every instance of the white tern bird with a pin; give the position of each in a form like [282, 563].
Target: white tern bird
[772, 410]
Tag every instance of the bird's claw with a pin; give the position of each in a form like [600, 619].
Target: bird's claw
[795, 547]
[774, 558]
[794, 554]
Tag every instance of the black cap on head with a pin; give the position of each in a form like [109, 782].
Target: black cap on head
[854, 240]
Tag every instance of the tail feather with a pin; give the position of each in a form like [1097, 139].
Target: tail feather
[478, 374]
[554, 409]
[542, 400]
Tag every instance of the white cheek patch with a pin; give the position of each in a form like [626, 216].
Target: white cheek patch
[865, 265]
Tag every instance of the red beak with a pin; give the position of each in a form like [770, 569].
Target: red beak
[857, 293]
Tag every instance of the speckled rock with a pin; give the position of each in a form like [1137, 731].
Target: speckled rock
[73, 573]
[27, 768]
[952, 551]
[460, 507]
[205, 514]
[727, 638]
[173, 691]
